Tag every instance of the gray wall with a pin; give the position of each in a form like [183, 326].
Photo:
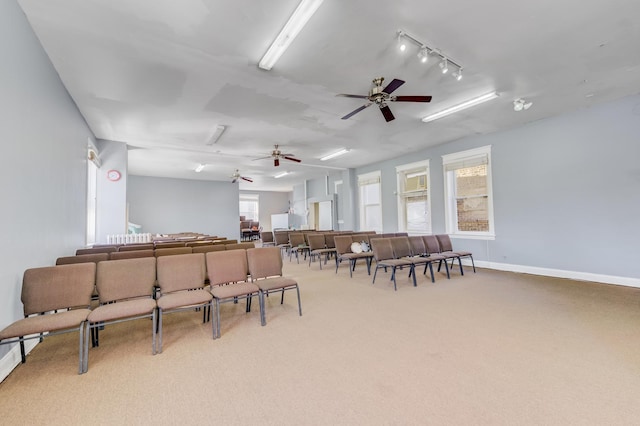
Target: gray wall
[165, 206]
[566, 191]
[112, 196]
[44, 166]
[270, 203]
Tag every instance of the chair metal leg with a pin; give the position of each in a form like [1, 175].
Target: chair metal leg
[263, 308]
[23, 355]
[374, 275]
[299, 303]
[433, 280]
[282, 297]
[81, 349]
[412, 272]
[153, 334]
[218, 332]
[159, 330]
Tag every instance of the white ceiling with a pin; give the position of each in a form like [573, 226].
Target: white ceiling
[160, 75]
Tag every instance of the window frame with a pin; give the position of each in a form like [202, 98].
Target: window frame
[250, 198]
[401, 173]
[372, 177]
[451, 217]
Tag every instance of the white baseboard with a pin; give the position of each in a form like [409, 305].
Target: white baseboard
[12, 359]
[557, 273]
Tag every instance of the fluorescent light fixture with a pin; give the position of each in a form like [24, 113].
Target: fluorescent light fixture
[468, 104]
[335, 154]
[294, 25]
[200, 168]
[216, 134]
[279, 175]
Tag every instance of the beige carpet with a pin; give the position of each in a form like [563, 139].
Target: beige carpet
[485, 348]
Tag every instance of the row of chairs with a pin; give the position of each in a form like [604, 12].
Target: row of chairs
[57, 299]
[110, 248]
[133, 254]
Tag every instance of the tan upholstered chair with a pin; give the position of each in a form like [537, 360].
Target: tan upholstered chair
[383, 254]
[181, 283]
[169, 244]
[281, 238]
[298, 245]
[446, 247]
[209, 248]
[172, 251]
[126, 289]
[240, 246]
[199, 243]
[140, 246]
[101, 249]
[267, 238]
[131, 254]
[265, 267]
[402, 250]
[83, 258]
[318, 248]
[228, 276]
[433, 250]
[343, 252]
[55, 300]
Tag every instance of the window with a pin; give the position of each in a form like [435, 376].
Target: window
[469, 201]
[249, 206]
[93, 163]
[370, 204]
[414, 206]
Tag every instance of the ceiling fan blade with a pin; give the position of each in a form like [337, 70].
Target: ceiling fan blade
[262, 158]
[395, 83]
[245, 178]
[386, 111]
[276, 162]
[411, 99]
[353, 96]
[234, 180]
[354, 112]
[291, 158]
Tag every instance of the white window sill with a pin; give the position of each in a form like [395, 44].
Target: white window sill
[474, 236]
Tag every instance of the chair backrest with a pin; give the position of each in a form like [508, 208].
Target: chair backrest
[239, 246]
[417, 245]
[316, 241]
[343, 243]
[401, 234]
[225, 241]
[101, 249]
[296, 239]
[129, 247]
[445, 242]
[209, 248]
[401, 247]
[329, 240]
[126, 279]
[264, 262]
[181, 272]
[281, 237]
[266, 236]
[57, 287]
[199, 243]
[431, 244]
[227, 266]
[245, 225]
[83, 258]
[382, 249]
[360, 237]
[131, 254]
[173, 244]
[172, 251]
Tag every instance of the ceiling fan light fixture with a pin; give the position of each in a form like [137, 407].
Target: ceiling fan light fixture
[283, 174]
[464, 105]
[199, 168]
[335, 154]
[294, 25]
[520, 104]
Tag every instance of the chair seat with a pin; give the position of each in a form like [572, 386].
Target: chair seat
[323, 251]
[183, 298]
[233, 290]
[127, 308]
[43, 323]
[393, 262]
[275, 283]
[363, 255]
[461, 253]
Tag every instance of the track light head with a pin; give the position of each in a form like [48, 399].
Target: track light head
[520, 104]
[402, 42]
[423, 54]
[444, 66]
[458, 74]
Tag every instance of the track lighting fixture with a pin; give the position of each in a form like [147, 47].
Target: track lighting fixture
[520, 104]
[424, 51]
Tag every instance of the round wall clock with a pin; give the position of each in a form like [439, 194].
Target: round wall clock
[113, 175]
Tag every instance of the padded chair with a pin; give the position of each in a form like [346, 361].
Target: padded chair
[172, 251]
[446, 247]
[101, 249]
[131, 254]
[267, 238]
[228, 276]
[126, 289]
[169, 244]
[317, 248]
[199, 243]
[209, 248]
[281, 239]
[433, 251]
[343, 252]
[181, 282]
[225, 241]
[55, 300]
[402, 250]
[83, 258]
[383, 254]
[245, 229]
[265, 267]
[240, 246]
[141, 246]
[298, 245]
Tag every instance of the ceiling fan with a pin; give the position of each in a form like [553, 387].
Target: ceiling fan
[381, 96]
[236, 175]
[276, 154]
